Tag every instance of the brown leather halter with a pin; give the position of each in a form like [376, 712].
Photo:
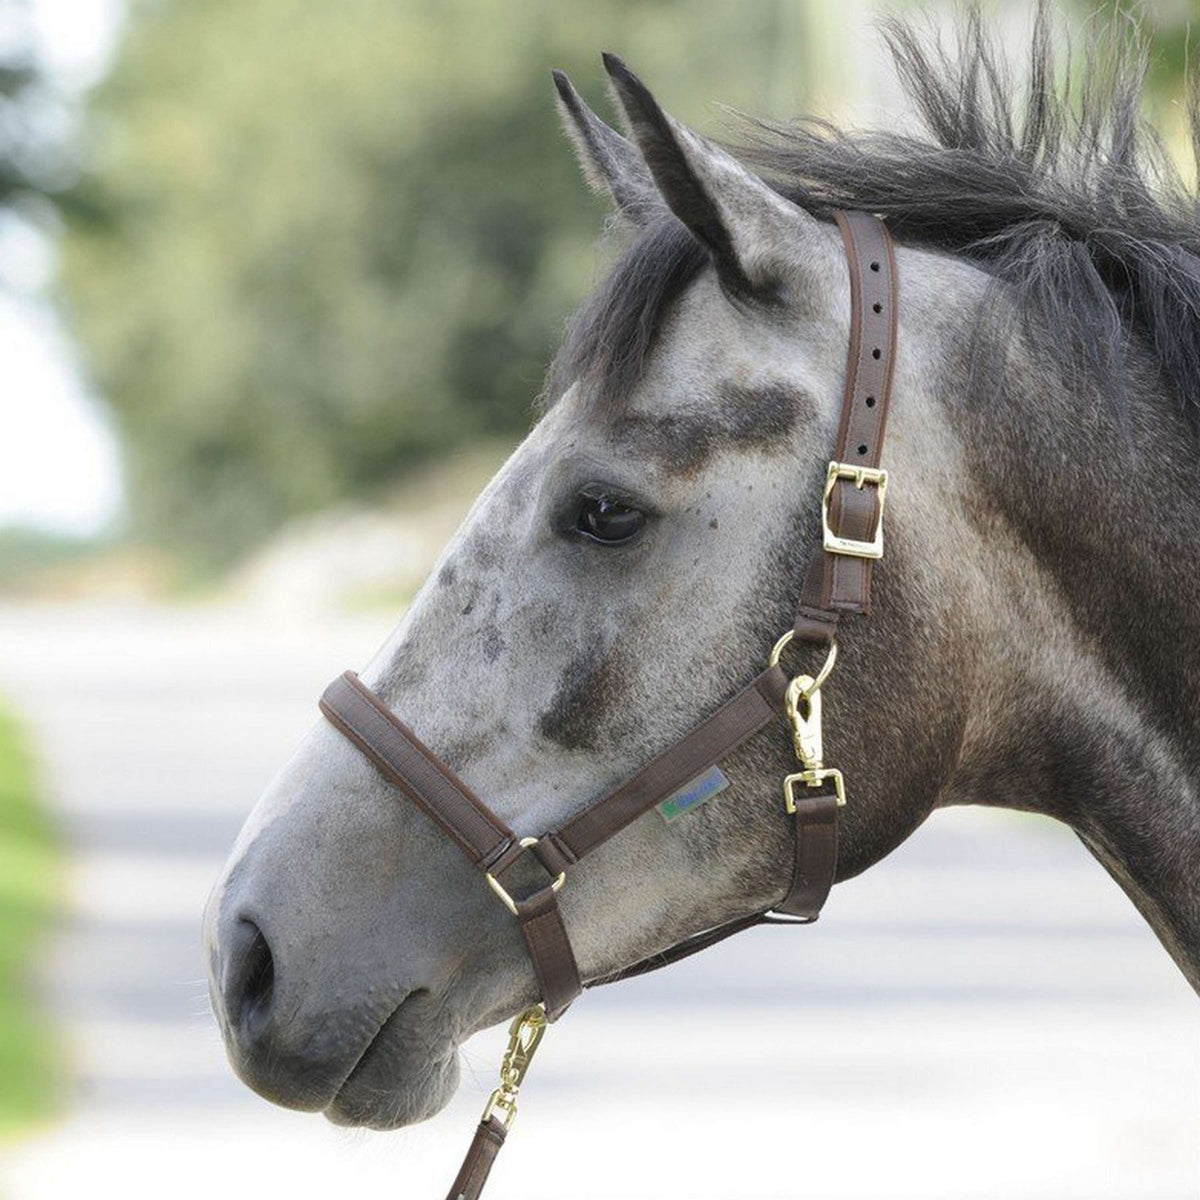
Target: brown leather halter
[838, 580]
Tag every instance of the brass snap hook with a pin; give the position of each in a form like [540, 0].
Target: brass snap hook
[802, 703]
[524, 1035]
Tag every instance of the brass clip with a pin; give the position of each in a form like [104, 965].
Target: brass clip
[802, 702]
[524, 1036]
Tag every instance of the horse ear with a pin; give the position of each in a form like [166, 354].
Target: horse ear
[728, 209]
[611, 164]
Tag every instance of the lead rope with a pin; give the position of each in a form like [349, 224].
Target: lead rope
[524, 1036]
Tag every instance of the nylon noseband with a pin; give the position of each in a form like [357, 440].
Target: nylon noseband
[838, 580]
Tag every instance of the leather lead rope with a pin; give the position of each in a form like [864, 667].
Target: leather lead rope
[838, 580]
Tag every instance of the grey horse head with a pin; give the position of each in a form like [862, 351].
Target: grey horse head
[629, 568]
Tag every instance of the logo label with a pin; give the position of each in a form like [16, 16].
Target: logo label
[693, 794]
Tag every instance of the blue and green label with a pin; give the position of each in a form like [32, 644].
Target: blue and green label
[693, 794]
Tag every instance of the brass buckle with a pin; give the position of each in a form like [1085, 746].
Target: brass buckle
[861, 476]
[502, 891]
[813, 777]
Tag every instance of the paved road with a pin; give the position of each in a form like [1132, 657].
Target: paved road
[981, 1016]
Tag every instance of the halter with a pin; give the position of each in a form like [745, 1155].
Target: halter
[838, 580]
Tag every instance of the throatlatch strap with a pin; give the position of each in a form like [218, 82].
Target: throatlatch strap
[840, 582]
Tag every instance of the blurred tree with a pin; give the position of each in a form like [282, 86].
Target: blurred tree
[32, 142]
[314, 242]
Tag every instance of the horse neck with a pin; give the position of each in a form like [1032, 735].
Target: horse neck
[1089, 702]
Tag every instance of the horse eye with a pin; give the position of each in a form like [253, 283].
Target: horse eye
[609, 521]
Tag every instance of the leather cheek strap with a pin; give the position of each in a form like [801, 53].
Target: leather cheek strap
[838, 582]
[816, 849]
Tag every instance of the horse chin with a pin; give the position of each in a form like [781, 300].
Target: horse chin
[406, 1075]
[378, 1099]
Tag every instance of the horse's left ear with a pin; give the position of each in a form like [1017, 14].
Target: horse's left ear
[745, 225]
[611, 163]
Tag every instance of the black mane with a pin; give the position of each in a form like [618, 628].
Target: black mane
[1073, 202]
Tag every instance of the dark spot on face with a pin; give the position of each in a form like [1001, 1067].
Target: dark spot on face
[404, 673]
[589, 695]
[486, 553]
[758, 416]
[465, 611]
[546, 619]
[463, 751]
[740, 418]
[682, 443]
[492, 641]
[713, 523]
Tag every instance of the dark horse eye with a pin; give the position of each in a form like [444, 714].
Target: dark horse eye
[606, 520]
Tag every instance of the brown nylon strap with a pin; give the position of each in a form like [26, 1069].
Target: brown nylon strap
[411, 766]
[840, 582]
[816, 842]
[550, 951]
[473, 1174]
[736, 720]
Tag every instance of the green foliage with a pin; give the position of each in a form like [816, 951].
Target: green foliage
[28, 892]
[316, 242]
[23, 551]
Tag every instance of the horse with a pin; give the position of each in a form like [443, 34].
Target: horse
[1034, 639]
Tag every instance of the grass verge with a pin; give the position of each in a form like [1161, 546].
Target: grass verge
[29, 1067]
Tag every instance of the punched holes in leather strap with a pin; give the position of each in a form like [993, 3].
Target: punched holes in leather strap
[839, 575]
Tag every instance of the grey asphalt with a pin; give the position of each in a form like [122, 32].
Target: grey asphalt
[981, 1015]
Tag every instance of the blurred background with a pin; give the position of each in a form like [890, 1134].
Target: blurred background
[277, 284]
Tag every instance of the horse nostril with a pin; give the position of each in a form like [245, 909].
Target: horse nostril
[250, 985]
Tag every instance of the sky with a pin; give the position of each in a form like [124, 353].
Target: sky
[59, 460]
